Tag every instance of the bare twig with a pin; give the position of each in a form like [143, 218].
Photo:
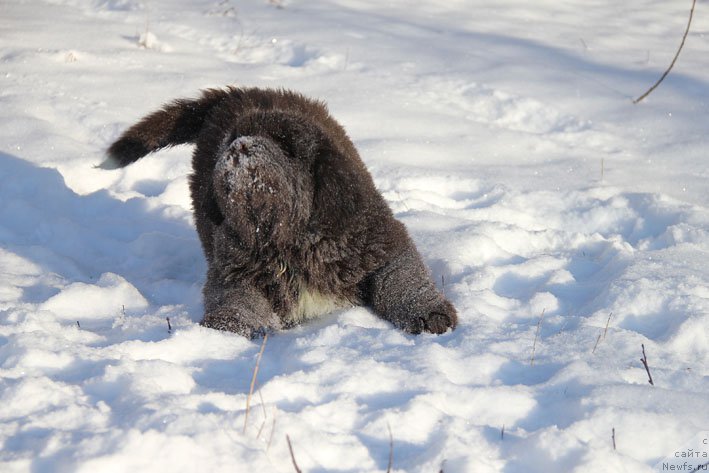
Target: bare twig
[292, 457]
[644, 361]
[684, 37]
[78, 324]
[391, 449]
[169, 327]
[536, 335]
[502, 432]
[253, 381]
[273, 429]
[602, 336]
[613, 437]
[265, 415]
[605, 331]
[121, 318]
[596, 345]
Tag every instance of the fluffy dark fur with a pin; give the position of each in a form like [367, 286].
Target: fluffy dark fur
[288, 215]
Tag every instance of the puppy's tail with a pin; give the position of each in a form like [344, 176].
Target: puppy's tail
[176, 123]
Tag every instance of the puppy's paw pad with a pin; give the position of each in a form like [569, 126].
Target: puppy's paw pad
[440, 318]
[437, 322]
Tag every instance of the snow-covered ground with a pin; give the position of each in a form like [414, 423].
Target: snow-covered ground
[569, 226]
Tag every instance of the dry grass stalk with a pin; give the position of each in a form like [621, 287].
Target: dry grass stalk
[596, 345]
[265, 415]
[292, 457]
[647, 368]
[605, 331]
[536, 336]
[684, 37]
[273, 429]
[253, 381]
[602, 336]
[391, 449]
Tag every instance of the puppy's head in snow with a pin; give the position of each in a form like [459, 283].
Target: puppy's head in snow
[262, 192]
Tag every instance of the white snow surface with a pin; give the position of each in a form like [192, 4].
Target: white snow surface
[568, 225]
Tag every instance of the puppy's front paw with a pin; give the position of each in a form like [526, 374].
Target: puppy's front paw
[248, 325]
[438, 319]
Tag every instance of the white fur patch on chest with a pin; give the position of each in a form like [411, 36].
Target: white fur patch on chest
[313, 304]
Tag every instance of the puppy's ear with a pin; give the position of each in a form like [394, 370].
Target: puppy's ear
[205, 205]
[214, 214]
[338, 190]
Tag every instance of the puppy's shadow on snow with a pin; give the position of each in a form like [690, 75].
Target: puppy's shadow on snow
[74, 238]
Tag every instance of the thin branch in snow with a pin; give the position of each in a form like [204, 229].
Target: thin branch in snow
[684, 37]
[391, 449]
[602, 336]
[265, 415]
[605, 331]
[169, 327]
[596, 345]
[502, 432]
[253, 381]
[78, 324]
[613, 437]
[536, 335]
[292, 457]
[644, 361]
[273, 429]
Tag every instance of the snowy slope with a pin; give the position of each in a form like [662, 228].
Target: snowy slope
[567, 225]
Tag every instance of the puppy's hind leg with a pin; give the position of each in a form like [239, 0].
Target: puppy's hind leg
[237, 307]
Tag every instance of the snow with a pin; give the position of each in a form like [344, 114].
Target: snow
[567, 225]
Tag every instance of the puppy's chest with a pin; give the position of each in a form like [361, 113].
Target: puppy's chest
[311, 303]
[308, 300]
[310, 277]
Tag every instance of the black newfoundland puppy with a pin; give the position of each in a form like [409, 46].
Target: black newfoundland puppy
[289, 218]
